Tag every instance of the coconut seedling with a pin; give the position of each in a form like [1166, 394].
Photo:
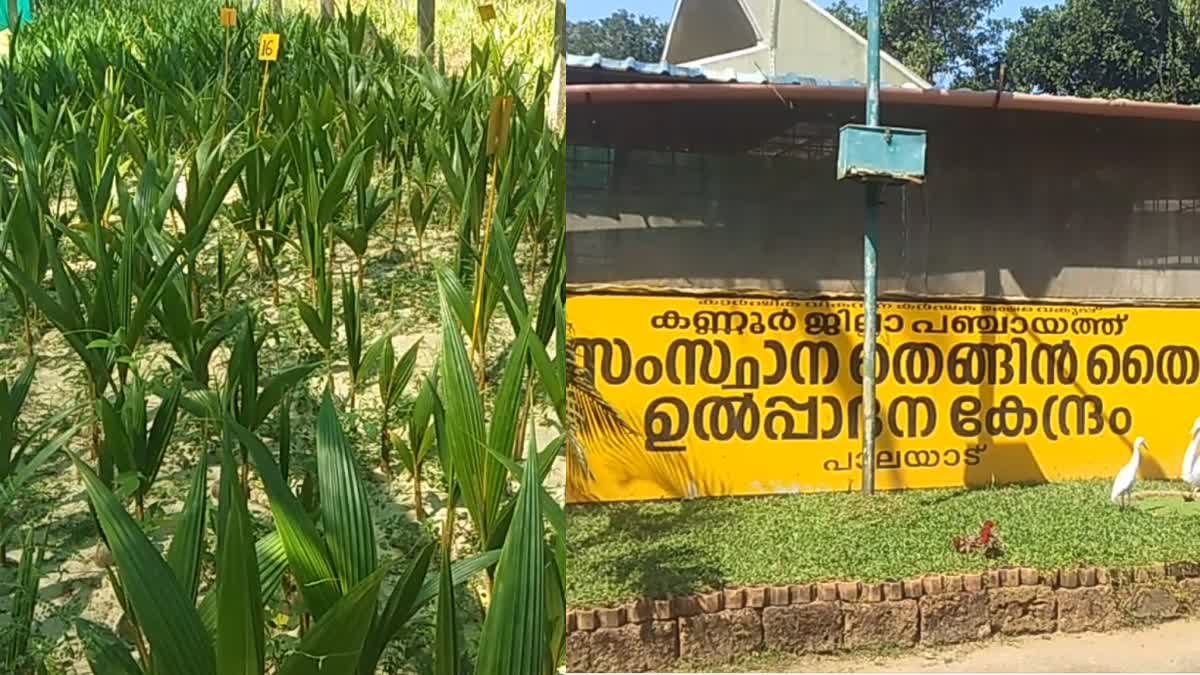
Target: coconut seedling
[352, 325]
[32, 144]
[12, 400]
[318, 319]
[14, 641]
[134, 446]
[209, 176]
[324, 180]
[422, 201]
[371, 202]
[393, 378]
[260, 211]
[414, 449]
[103, 316]
[339, 563]
[21, 457]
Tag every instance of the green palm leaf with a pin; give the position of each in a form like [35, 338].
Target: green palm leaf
[335, 642]
[183, 555]
[307, 554]
[177, 639]
[464, 429]
[105, 652]
[514, 633]
[239, 596]
[345, 511]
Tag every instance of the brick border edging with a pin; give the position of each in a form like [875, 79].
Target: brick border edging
[713, 628]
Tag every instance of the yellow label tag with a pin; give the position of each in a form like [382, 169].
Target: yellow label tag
[498, 123]
[487, 12]
[228, 17]
[268, 47]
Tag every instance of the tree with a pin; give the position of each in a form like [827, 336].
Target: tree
[1137, 49]
[620, 36]
[954, 40]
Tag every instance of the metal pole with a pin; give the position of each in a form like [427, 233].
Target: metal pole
[425, 24]
[870, 248]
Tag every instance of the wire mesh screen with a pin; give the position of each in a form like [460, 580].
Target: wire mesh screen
[1014, 206]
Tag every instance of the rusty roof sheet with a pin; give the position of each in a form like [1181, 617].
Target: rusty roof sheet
[600, 80]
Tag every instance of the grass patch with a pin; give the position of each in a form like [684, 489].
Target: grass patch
[620, 552]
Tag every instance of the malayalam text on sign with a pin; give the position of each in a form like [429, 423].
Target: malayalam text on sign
[743, 395]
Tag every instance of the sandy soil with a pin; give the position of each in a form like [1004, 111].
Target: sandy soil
[1166, 648]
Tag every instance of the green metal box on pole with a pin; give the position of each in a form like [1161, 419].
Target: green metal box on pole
[881, 154]
[23, 8]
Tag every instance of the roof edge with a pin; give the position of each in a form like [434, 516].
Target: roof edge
[723, 92]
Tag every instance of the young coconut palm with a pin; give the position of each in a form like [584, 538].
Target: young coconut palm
[260, 211]
[134, 447]
[34, 148]
[421, 438]
[14, 641]
[371, 201]
[333, 566]
[19, 461]
[225, 633]
[393, 378]
[325, 180]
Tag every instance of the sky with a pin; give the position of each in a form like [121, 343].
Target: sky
[583, 10]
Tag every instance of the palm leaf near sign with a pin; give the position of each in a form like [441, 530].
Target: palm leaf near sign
[591, 417]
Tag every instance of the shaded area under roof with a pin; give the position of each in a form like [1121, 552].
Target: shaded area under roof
[596, 80]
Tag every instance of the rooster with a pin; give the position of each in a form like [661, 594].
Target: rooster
[987, 542]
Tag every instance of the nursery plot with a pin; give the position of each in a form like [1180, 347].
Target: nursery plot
[282, 384]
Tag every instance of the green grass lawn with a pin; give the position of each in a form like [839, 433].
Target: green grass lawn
[620, 552]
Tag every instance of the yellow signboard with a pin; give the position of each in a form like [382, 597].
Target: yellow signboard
[740, 395]
[268, 47]
[487, 12]
[228, 17]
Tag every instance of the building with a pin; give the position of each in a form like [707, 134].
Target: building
[773, 37]
[1041, 288]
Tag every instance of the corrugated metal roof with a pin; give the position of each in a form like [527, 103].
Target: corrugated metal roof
[600, 79]
[663, 70]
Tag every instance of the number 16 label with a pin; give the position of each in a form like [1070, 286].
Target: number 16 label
[268, 47]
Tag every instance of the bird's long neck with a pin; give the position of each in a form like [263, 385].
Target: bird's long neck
[1193, 453]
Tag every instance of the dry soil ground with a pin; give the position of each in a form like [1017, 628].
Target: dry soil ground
[1165, 648]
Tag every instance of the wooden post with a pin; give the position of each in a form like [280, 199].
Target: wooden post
[558, 90]
[425, 12]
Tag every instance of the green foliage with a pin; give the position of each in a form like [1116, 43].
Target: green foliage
[1137, 49]
[134, 445]
[622, 35]
[952, 40]
[14, 644]
[121, 230]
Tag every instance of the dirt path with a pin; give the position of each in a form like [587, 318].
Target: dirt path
[1167, 648]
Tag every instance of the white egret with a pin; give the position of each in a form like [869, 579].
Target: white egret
[1123, 485]
[1191, 468]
